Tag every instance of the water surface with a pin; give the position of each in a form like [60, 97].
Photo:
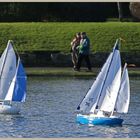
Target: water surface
[49, 111]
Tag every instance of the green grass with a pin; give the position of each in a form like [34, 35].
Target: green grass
[57, 36]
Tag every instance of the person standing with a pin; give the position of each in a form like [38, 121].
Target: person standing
[74, 52]
[84, 51]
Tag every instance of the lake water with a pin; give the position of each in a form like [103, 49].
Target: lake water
[49, 111]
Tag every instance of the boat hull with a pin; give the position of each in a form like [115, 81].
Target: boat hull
[9, 109]
[85, 119]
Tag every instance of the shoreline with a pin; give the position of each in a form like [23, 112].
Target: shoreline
[69, 72]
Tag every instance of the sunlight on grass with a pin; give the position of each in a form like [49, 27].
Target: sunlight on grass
[57, 36]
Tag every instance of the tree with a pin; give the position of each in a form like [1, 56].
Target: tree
[135, 9]
[120, 11]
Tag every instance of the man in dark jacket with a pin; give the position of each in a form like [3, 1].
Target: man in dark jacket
[84, 51]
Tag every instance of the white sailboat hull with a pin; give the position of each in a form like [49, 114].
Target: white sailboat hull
[9, 109]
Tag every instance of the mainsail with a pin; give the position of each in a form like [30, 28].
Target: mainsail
[123, 99]
[98, 96]
[108, 94]
[112, 84]
[17, 90]
[92, 95]
[7, 69]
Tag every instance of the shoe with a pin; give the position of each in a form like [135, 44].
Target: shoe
[75, 69]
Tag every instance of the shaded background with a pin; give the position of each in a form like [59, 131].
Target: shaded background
[50, 11]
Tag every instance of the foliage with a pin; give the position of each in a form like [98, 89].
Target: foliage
[135, 10]
[56, 11]
[57, 36]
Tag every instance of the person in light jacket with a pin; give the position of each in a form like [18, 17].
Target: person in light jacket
[74, 52]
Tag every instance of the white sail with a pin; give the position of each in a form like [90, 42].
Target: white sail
[2, 59]
[9, 95]
[96, 89]
[123, 99]
[7, 69]
[92, 95]
[112, 84]
[17, 89]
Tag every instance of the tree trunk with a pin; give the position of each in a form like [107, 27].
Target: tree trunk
[135, 10]
[120, 12]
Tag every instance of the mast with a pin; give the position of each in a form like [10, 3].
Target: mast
[115, 48]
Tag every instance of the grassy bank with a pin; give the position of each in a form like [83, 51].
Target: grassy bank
[133, 72]
[57, 36]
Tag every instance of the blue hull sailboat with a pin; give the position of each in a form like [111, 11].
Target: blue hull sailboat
[12, 81]
[96, 120]
[109, 96]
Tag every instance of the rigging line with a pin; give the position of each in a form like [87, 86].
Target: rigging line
[115, 48]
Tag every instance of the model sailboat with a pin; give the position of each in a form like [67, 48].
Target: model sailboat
[12, 81]
[109, 95]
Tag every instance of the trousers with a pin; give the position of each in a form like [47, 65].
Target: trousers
[87, 60]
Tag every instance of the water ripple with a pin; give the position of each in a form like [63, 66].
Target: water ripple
[49, 112]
